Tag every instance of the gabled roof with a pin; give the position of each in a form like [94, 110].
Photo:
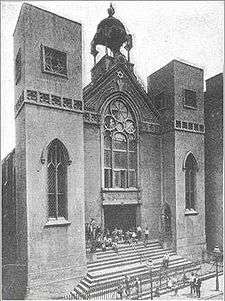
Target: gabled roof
[94, 86]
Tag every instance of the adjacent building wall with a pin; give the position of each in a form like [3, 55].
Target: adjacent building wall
[214, 161]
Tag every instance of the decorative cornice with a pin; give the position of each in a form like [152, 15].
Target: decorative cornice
[92, 118]
[150, 128]
[48, 100]
[187, 126]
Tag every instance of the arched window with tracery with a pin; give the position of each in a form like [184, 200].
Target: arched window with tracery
[190, 181]
[57, 162]
[120, 146]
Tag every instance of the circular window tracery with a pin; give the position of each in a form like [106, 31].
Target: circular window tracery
[121, 118]
[120, 146]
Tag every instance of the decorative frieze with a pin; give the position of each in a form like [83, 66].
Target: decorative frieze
[19, 101]
[189, 126]
[56, 100]
[44, 97]
[150, 127]
[91, 117]
[50, 100]
[32, 95]
[77, 105]
[67, 102]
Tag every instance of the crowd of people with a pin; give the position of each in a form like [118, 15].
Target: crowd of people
[195, 283]
[126, 287]
[104, 239]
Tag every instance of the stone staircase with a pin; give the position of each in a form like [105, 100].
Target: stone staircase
[108, 269]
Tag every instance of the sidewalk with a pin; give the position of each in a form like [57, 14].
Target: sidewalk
[207, 292]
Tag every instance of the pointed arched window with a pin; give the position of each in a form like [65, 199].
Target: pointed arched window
[120, 146]
[57, 179]
[190, 181]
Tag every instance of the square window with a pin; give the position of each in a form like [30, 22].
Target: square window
[54, 61]
[190, 126]
[190, 99]
[18, 67]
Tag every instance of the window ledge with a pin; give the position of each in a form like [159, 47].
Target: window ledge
[57, 222]
[119, 189]
[190, 107]
[190, 212]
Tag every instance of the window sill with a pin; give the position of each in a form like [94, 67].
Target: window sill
[190, 107]
[119, 189]
[53, 222]
[190, 212]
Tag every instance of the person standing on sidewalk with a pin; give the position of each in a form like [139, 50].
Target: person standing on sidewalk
[198, 284]
[192, 283]
[119, 291]
[138, 287]
[127, 285]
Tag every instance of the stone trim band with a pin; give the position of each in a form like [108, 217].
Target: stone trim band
[50, 100]
[189, 126]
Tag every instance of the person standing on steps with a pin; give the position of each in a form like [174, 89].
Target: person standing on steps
[146, 236]
[166, 259]
[139, 232]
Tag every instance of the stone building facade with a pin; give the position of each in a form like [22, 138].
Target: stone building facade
[214, 161]
[113, 152]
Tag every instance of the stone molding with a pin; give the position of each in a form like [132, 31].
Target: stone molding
[48, 100]
[189, 126]
[150, 127]
[92, 118]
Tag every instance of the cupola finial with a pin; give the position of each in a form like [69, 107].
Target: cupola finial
[111, 10]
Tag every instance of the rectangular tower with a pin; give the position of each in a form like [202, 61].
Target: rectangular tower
[49, 153]
[177, 90]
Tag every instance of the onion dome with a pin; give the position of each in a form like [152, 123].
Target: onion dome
[110, 33]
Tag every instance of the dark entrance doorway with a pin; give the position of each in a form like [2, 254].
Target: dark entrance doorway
[120, 216]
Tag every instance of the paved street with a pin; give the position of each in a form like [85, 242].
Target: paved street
[207, 292]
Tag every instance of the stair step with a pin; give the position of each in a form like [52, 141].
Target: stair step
[112, 273]
[125, 245]
[98, 288]
[122, 261]
[145, 290]
[129, 252]
[109, 269]
[125, 260]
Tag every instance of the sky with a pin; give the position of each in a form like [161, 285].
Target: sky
[191, 31]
